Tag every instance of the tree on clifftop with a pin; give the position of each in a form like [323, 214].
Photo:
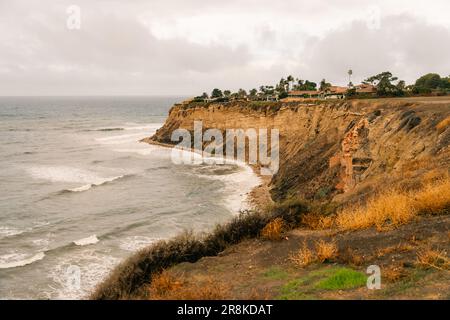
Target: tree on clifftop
[324, 85]
[383, 82]
[432, 81]
[216, 93]
[253, 93]
[305, 85]
[290, 80]
[242, 93]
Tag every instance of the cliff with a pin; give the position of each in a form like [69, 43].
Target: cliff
[341, 151]
[335, 150]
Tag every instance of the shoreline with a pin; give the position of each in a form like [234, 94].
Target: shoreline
[257, 199]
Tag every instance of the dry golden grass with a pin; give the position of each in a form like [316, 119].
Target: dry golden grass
[394, 273]
[262, 294]
[163, 283]
[391, 207]
[431, 258]
[315, 221]
[169, 287]
[209, 290]
[416, 164]
[443, 125]
[273, 230]
[401, 247]
[396, 207]
[433, 198]
[434, 175]
[325, 251]
[303, 257]
[351, 257]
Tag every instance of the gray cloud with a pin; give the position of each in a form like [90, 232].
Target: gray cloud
[404, 45]
[186, 47]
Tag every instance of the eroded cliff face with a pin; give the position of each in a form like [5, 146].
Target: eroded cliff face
[332, 150]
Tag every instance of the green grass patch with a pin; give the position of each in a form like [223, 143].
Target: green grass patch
[276, 273]
[293, 290]
[341, 279]
[329, 278]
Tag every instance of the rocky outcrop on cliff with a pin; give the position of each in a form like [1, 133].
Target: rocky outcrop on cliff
[332, 150]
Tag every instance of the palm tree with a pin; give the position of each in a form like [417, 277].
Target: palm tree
[350, 73]
[290, 79]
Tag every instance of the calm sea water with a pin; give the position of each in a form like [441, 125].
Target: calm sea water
[79, 193]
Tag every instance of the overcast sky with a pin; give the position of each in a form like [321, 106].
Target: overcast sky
[185, 47]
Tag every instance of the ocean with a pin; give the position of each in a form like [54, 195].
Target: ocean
[79, 193]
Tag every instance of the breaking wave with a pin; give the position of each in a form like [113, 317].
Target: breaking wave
[87, 241]
[23, 262]
[89, 186]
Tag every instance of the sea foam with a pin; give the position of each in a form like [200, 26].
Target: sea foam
[87, 241]
[95, 184]
[22, 262]
[62, 174]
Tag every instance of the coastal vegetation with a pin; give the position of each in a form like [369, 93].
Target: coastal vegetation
[130, 276]
[396, 207]
[384, 84]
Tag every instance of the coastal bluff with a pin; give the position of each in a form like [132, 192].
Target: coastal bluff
[340, 150]
[357, 176]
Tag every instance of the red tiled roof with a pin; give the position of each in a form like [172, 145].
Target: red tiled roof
[365, 88]
[303, 92]
[337, 90]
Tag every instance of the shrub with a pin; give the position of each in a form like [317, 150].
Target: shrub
[430, 258]
[316, 221]
[351, 257]
[129, 277]
[401, 247]
[290, 210]
[164, 283]
[434, 198]
[168, 287]
[325, 251]
[394, 273]
[272, 231]
[303, 257]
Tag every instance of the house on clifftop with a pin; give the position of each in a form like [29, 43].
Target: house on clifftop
[334, 92]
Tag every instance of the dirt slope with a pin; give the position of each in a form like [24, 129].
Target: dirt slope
[262, 269]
